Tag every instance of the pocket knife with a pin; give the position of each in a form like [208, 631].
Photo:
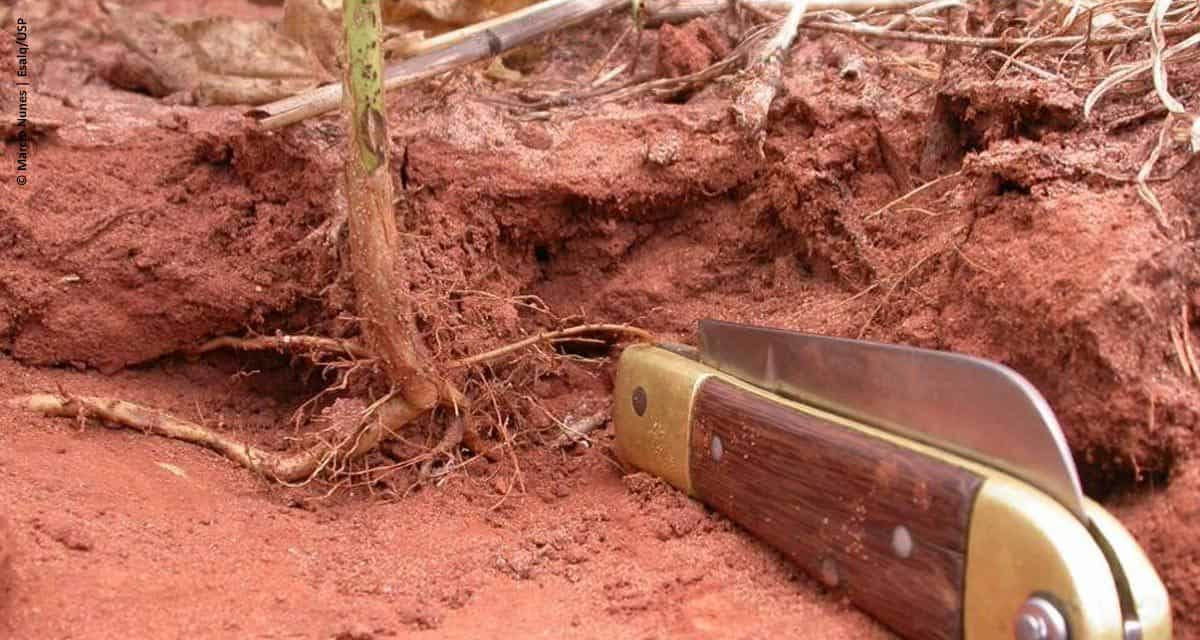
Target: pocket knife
[934, 490]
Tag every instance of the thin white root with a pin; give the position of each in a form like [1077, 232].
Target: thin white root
[291, 468]
[951, 177]
[551, 336]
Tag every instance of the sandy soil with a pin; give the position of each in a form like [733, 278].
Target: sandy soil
[149, 226]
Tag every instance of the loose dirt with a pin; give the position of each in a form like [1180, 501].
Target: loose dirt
[150, 225]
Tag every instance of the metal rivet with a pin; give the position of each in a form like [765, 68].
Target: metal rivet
[829, 572]
[639, 401]
[1030, 628]
[1039, 619]
[902, 541]
[716, 448]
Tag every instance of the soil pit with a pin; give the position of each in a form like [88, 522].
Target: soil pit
[149, 226]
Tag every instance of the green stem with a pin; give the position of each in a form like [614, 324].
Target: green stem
[364, 76]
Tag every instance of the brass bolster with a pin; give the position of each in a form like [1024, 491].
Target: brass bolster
[1150, 599]
[1023, 543]
[657, 439]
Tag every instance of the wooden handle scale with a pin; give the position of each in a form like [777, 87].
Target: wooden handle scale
[932, 546]
[886, 525]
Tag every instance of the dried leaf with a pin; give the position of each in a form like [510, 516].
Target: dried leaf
[1143, 174]
[1126, 72]
[452, 12]
[407, 23]
[935, 7]
[317, 26]
[219, 60]
[402, 42]
[1158, 42]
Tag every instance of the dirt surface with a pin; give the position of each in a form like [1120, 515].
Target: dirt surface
[109, 541]
[150, 225]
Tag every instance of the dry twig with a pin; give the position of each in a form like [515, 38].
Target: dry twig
[660, 11]
[1001, 44]
[1143, 175]
[764, 75]
[1180, 352]
[285, 343]
[1185, 331]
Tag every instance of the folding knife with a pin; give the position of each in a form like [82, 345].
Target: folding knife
[935, 490]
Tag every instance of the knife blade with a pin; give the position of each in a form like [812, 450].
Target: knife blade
[976, 408]
[933, 538]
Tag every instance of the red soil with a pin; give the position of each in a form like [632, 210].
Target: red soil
[149, 227]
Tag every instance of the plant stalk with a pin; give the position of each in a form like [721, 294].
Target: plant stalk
[374, 237]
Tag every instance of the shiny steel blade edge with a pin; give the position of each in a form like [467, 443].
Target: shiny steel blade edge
[975, 408]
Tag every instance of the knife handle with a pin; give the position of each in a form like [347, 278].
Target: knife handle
[885, 525]
[931, 545]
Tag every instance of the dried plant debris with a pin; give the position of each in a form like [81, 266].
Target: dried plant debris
[1181, 124]
[223, 60]
[407, 24]
[316, 25]
[213, 60]
[452, 12]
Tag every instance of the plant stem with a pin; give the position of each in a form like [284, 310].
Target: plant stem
[374, 238]
[362, 22]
